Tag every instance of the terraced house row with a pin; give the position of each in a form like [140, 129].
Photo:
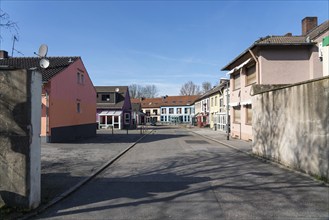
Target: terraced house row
[168, 109]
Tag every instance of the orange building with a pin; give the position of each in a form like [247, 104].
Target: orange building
[68, 97]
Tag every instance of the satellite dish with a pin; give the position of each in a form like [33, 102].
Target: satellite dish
[43, 50]
[44, 63]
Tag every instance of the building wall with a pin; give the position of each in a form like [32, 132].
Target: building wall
[291, 125]
[217, 112]
[213, 109]
[184, 117]
[65, 92]
[284, 65]
[242, 129]
[152, 115]
[20, 149]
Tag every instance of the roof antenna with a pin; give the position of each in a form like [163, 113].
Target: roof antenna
[43, 50]
[13, 48]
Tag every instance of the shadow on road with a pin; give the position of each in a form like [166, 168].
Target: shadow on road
[236, 181]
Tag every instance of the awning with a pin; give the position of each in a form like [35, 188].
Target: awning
[234, 104]
[238, 67]
[248, 102]
[111, 113]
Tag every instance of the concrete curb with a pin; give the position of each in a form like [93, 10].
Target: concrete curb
[81, 183]
[283, 166]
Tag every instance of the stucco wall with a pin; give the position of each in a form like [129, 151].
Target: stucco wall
[291, 125]
[66, 92]
[20, 114]
[278, 65]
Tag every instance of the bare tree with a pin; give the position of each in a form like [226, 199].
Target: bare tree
[135, 91]
[138, 91]
[206, 86]
[190, 88]
[150, 91]
[7, 23]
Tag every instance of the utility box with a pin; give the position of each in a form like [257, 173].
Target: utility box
[20, 122]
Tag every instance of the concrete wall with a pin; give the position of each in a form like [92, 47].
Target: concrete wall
[20, 114]
[291, 125]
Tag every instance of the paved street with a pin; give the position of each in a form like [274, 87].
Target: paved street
[175, 174]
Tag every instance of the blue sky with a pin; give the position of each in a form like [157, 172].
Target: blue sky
[163, 43]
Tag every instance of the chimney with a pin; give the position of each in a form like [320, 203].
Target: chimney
[308, 23]
[288, 35]
[3, 54]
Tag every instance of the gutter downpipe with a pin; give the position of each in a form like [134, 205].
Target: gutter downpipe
[47, 117]
[257, 70]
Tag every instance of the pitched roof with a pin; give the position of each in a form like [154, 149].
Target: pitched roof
[56, 64]
[120, 99]
[285, 40]
[282, 40]
[166, 101]
[319, 30]
[120, 89]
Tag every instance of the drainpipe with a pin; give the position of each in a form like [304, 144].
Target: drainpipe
[257, 69]
[47, 117]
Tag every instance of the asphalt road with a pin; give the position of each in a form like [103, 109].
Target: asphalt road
[175, 174]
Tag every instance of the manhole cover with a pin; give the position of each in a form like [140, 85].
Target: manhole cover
[196, 142]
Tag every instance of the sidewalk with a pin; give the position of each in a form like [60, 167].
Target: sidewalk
[221, 137]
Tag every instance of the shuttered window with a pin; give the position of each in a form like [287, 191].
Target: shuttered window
[237, 114]
[236, 81]
[251, 75]
[249, 114]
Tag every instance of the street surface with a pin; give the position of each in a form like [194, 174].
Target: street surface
[176, 174]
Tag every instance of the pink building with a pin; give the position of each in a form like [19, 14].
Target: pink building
[273, 60]
[68, 97]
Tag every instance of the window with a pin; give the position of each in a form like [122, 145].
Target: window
[251, 75]
[249, 114]
[215, 100]
[221, 103]
[106, 98]
[163, 111]
[82, 79]
[155, 111]
[161, 118]
[212, 102]
[237, 114]
[236, 81]
[127, 118]
[179, 110]
[171, 110]
[148, 112]
[186, 110]
[78, 107]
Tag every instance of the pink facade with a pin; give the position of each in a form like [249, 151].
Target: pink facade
[70, 98]
[273, 60]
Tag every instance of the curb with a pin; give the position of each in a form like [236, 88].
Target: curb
[82, 182]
